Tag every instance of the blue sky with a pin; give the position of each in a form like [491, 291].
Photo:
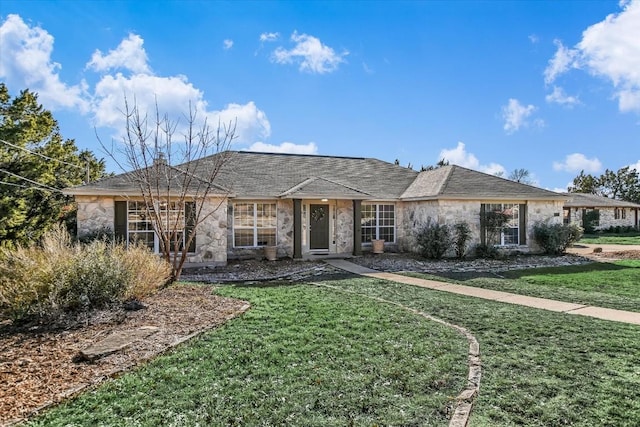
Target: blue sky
[552, 87]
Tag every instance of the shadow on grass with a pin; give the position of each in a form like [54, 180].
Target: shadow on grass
[585, 268]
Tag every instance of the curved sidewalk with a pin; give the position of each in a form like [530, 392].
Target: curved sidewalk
[541, 303]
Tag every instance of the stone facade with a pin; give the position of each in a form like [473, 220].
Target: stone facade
[97, 213]
[344, 227]
[211, 234]
[414, 215]
[94, 213]
[214, 236]
[607, 217]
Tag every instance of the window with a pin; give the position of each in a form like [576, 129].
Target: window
[620, 213]
[139, 226]
[590, 219]
[378, 222]
[507, 215]
[254, 224]
[171, 214]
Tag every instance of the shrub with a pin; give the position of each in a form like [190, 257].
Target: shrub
[59, 275]
[434, 240]
[555, 238]
[488, 251]
[103, 233]
[461, 236]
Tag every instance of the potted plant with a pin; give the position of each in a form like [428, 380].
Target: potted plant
[377, 246]
[271, 253]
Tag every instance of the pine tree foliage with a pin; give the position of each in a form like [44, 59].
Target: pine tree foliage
[35, 164]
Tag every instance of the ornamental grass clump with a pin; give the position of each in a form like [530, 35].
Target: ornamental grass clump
[60, 275]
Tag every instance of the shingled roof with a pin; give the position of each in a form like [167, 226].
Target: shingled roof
[582, 200]
[251, 175]
[456, 182]
[270, 175]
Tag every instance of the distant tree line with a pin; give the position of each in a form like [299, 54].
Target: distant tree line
[622, 185]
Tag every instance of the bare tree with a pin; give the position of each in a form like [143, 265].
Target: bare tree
[172, 174]
[521, 175]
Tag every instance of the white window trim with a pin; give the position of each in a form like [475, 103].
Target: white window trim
[377, 219]
[517, 222]
[156, 238]
[255, 227]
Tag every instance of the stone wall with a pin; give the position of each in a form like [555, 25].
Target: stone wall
[211, 234]
[94, 213]
[607, 218]
[284, 233]
[549, 212]
[414, 215]
[344, 227]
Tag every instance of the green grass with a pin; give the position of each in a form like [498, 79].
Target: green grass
[632, 238]
[540, 368]
[611, 285]
[306, 356]
[302, 356]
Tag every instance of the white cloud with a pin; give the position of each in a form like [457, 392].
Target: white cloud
[534, 39]
[516, 115]
[251, 122]
[367, 69]
[269, 37]
[459, 156]
[577, 162]
[129, 55]
[558, 96]
[562, 61]
[635, 166]
[561, 189]
[285, 147]
[227, 44]
[172, 95]
[310, 53]
[25, 61]
[609, 49]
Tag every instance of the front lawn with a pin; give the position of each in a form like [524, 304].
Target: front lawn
[306, 356]
[539, 368]
[611, 285]
[632, 238]
[302, 356]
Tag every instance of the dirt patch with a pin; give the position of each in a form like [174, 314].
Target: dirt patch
[36, 362]
[615, 255]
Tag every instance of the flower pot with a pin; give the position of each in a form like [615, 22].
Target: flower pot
[271, 253]
[377, 246]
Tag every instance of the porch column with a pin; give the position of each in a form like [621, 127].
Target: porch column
[357, 229]
[297, 228]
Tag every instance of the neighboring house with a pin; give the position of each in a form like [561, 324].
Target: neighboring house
[607, 213]
[310, 205]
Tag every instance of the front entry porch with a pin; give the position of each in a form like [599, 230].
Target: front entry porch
[324, 227]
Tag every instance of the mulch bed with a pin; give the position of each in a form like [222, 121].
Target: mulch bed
[37, 365]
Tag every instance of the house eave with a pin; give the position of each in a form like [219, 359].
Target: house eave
[486, 198]
[133, 193]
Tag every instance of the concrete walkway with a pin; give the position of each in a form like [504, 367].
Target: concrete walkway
[541, 303]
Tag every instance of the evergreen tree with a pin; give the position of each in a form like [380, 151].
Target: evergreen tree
[35, 164]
